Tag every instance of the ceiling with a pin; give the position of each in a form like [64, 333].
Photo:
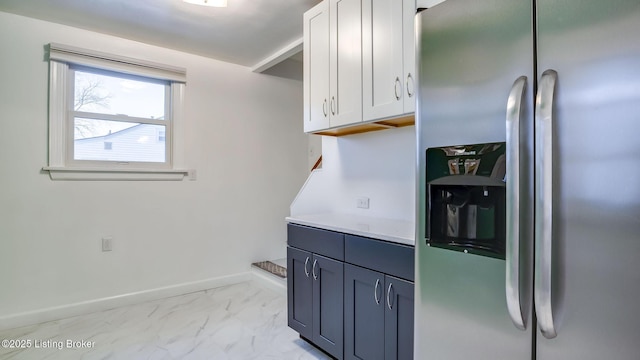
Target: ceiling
[247, 32]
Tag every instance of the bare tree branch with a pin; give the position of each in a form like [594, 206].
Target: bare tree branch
[90, 95]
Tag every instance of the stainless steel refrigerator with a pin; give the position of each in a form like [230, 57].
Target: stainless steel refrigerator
[558, 82]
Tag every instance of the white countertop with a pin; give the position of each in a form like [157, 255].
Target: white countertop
[398, 231]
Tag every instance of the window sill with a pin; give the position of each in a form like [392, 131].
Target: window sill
[68, 173]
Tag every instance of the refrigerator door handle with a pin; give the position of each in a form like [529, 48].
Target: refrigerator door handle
[543, 202]
[512, 256]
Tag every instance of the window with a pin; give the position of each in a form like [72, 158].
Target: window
[124, 110]
[112, 117]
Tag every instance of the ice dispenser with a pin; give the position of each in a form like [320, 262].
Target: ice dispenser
[466, 198]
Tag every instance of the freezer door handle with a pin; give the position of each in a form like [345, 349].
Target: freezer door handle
[512, 280]
[544, 202]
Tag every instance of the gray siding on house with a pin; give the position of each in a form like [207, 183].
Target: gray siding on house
[144, 143]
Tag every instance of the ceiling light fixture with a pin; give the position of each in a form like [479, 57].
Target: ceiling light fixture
[214, 3]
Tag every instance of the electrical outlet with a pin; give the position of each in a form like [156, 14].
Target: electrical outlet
[107, 243]
[362, 202]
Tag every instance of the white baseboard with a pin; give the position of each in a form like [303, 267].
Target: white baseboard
[91, 306]
[269, 281]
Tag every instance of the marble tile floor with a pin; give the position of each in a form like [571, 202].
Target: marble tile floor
[237, 322]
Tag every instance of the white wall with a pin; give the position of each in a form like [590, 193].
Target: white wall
[315, 150]
[244, 138]
[379, 165]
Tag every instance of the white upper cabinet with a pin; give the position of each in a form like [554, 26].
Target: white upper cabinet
[316, 68]
[359, 65]
[332, 65]
[345, 67]
[382, 58]
[409, 54]
[388, 58]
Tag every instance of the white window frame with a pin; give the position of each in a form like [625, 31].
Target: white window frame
[62, 60]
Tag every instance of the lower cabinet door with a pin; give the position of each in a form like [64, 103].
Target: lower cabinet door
[299, 291]
[328, 296]
[398, 318]
[364, 313]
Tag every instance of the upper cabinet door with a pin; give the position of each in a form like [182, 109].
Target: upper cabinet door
[409, 45]
[382, 65]
[316, 68]
[345, 53]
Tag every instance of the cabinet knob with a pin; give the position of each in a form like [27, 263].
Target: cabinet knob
[324, 107]
[389, 305]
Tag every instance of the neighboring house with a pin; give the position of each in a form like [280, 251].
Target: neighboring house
[143, 142]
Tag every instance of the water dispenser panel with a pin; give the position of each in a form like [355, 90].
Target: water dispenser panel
[466, 198]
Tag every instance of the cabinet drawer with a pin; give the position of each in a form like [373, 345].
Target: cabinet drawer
[317, 241]
[389, 258]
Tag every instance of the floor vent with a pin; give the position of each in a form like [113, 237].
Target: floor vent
[272, 268]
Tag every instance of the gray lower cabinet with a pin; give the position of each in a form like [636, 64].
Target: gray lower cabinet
[351, 296]
[315, 299]
[378, 314]
[315, 287]
[398, 319]
[328, 295]
[364, 311]
[300, 291]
